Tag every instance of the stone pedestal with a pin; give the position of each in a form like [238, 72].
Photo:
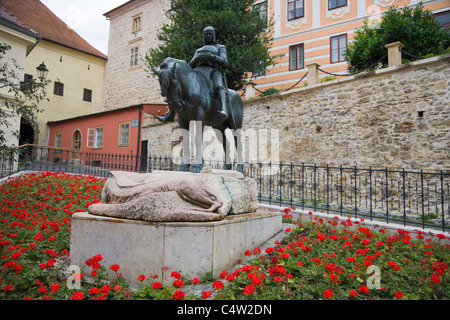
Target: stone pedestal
[194, 249]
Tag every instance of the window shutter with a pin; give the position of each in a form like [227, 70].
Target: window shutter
[90, 138]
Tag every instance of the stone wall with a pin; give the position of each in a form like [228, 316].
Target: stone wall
[140, 86]
[398, 117]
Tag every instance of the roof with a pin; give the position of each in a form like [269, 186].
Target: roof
[146, 106]
[35, 15]
[107, 14]
[9, 20]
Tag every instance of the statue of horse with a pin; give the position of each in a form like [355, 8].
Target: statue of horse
[190, 95]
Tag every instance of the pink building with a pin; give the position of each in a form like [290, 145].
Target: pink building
[110, 132]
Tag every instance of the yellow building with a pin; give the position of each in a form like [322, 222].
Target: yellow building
[318, 31]
[76, 69]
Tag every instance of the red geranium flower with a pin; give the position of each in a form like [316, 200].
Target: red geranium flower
[435, 278]
[55, 287]
[218, 285]
[249, 289]
[206, 294]
[328, 293]
[352, 293]
[178, 295]
[178, 283]
[94, 290]
[363, 289]
[157, 285]
[115, 267]
[77, 295]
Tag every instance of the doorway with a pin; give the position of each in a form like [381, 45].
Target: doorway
[76, 144]
[26, 139]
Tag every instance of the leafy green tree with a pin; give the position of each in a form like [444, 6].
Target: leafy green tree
[241, 29]
[23, 98]
[414, 27]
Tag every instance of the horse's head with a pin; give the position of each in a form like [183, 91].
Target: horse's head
[165, 74]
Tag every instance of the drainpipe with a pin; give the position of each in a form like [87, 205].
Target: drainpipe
[138, 152]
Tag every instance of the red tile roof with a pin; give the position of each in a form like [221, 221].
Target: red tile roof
[37, 16]
[19, 25]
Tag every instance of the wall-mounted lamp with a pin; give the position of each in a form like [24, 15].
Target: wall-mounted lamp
[42, 71]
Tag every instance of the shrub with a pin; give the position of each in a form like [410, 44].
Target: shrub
[415, 28]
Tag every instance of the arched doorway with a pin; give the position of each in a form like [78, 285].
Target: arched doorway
[76, 144]
[26, 133]
[26, 139]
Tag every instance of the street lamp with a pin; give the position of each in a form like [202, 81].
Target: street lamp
[42, 71]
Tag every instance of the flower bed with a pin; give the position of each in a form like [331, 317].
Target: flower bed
[319, 259]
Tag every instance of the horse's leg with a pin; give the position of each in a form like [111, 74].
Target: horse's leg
[198, 145]
[238, 116]
[239, 149]
[226, 149]
[184, 166]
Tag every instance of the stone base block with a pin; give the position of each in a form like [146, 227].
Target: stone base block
[194, 249]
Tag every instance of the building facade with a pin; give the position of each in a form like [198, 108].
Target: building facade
[21, 41]
[133, 31]
[318, 31]
[76, 68]
[117, 131]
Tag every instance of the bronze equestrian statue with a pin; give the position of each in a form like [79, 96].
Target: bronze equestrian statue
[197, 91]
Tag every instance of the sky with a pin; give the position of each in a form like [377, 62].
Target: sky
[86, 18]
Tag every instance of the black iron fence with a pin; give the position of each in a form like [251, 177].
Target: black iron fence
[408, 197]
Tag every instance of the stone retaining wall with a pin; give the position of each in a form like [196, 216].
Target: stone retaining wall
[398, 117]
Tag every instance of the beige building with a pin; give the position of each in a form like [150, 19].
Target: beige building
[21, 40]
[76, 68]
[133, 31]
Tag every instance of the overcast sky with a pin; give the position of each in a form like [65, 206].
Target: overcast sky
[86, 18]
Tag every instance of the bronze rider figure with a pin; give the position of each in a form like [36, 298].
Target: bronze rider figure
[212, 57]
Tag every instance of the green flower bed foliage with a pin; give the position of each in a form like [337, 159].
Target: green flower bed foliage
[325, 259]
[319, 259]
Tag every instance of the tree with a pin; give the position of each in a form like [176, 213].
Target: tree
[24, 97]
[237, 26]
[415, 28]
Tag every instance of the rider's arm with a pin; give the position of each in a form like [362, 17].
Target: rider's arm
[222, 58]
[194, 61]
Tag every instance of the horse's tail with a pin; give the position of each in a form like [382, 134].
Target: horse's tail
[235, 110]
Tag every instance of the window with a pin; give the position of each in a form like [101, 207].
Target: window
[58, 140]
[27, 81]
[333, 4]
[27, 78]
[338, 48]
[296, 57]
[98, 137]
[136, 24]
[443, 18]
[87, 95]
[76, 140]
[295, 9]
[262, 9]
[124, 134]
[134, 57]
[58, 89]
